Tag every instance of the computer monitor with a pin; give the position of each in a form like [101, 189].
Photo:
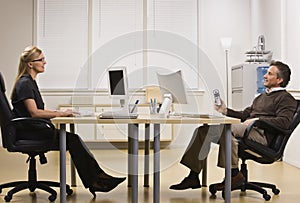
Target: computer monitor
[117, 82]
[173, 84]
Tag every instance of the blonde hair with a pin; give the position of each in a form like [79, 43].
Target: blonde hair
[28, 55]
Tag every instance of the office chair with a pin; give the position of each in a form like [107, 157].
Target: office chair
[251, 150]
[10, 130]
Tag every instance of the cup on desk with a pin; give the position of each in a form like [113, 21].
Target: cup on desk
[153, 109]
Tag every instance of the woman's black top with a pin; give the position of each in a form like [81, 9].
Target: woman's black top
[25, 88]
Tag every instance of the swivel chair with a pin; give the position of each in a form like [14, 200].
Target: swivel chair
[251, 150]
[11, 129]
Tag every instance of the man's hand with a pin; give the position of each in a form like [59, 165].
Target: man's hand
[221, 109]
[249, 121]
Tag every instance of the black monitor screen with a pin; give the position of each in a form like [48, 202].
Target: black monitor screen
[116, 80]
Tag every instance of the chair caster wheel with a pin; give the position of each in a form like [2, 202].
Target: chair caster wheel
[212, 190]
[276, 191]
[52, 198]
[7, 198]
[69, 191]
[266, 197]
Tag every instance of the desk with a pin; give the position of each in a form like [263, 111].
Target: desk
[132, 156]
[133, 145]
[184, 120]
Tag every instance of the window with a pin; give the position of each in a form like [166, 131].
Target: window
[113, 22]
[179, 18]
[62, 33]
[82, 38]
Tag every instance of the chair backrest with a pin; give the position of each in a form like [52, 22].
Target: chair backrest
[280, 141]
[296, 118]
[5, 116]
[275, 150]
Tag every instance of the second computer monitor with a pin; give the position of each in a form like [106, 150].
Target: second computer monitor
[173, 84]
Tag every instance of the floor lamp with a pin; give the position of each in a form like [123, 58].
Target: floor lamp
[226, 45]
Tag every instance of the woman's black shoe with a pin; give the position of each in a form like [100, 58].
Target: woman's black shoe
[105, 185]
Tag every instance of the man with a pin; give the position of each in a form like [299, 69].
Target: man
[275, 105]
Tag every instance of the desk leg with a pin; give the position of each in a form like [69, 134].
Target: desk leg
[73, 172]
[228, 163]
[204, 173]
[62, 149]
[156, 179]
[147, 150]
[204, 170]
[129, 176]
[133, 131]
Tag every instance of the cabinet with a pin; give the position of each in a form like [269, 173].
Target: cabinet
[113, 132]
[243, 85]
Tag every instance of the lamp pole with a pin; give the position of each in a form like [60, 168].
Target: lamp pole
[226, 44]
[227, 81]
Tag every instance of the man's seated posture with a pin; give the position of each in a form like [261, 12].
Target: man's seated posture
[276, 105]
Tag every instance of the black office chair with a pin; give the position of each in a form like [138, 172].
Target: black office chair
[249, 149]
[40, 128]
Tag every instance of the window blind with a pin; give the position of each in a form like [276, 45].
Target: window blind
[63, 36]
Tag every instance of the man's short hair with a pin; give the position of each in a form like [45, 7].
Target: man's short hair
[284, 72]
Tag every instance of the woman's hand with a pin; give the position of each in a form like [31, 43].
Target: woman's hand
[67, 113]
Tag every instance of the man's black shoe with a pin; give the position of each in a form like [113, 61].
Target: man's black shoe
[236, 182]
[187, 183]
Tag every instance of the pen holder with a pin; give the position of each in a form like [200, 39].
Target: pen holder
[153, 109]
[154, 112]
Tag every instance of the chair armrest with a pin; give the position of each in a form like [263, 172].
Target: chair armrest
[28, 123]
[265, 125]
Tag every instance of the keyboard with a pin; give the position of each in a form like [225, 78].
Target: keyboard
[118, 114]
[84, 113]
[192, 115]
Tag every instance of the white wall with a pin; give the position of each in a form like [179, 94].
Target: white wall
[292, 50]
[292, 40]
[230, 18]
[16, 22]
[16, 32]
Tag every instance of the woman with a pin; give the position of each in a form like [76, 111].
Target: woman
[27, 102]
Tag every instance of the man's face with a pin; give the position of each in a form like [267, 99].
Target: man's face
[271, 79]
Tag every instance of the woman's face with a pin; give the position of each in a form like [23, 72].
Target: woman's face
[38, 64]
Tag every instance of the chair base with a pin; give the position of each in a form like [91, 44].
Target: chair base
[259, 187]
[255, 186]
[32, 186]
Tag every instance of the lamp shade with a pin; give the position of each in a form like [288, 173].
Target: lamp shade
[226, 42]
